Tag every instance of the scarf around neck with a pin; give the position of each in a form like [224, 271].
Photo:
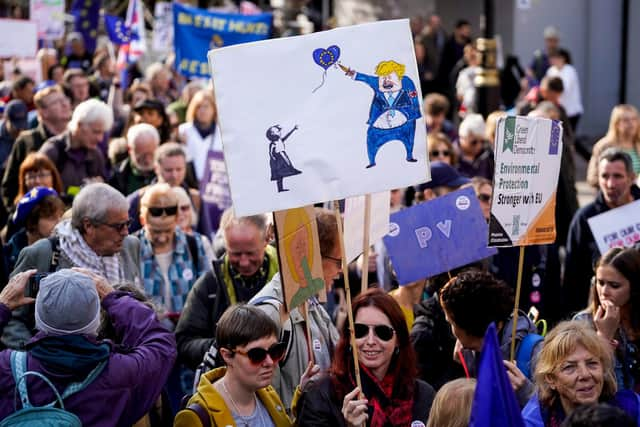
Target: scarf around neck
[388, 410]
[73, 245]
[69, 354]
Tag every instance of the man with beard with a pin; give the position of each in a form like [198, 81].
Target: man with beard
[616, 188]
[137, 170]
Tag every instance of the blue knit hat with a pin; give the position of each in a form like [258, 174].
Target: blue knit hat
[30, 201]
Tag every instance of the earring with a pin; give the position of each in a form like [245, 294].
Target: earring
[396, 351]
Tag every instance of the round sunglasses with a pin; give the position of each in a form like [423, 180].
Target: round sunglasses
[257, 355]
[384, 332]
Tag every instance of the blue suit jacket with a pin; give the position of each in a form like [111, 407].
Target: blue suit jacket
[406, 101]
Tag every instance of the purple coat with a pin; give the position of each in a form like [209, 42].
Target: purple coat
[127, 387]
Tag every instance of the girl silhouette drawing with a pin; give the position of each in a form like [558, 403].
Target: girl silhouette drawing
[279, 161]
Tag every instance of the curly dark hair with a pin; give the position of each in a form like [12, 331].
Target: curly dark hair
[473, 299]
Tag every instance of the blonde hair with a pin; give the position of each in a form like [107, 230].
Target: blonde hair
[200, 97]
[616, 114]
[452, 404]
[385, 68]
[559, 344]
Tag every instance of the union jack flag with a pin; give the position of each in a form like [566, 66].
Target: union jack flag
[136, 47]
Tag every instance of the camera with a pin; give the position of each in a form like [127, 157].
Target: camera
[33, 285]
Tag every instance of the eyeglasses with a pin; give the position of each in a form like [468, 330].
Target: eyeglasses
[476, 141]
[31, 176]
[118, 226]
[484, 197]
[336, 261]
[185, 208]
[257, 355]
[384, 332]
[167, 210]
[436, 153]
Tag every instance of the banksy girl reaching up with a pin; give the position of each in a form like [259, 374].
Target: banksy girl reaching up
[279, 161]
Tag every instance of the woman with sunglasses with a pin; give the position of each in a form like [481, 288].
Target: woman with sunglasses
[475, 154]
[240, 393]
[440, 148]
[614, 311]
[391, 395]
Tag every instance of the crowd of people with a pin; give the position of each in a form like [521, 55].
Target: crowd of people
[122, 301]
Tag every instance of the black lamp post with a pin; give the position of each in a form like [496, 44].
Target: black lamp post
[487, 81]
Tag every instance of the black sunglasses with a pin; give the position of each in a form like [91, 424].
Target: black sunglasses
[167, 210]
[436, 153]
[484, 197]
[384, 332]
[257, 354]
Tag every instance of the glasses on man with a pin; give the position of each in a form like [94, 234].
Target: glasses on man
[257, 355]
[336, 261]
[32, 176]
[118, 226]
[484, 197]
[438, 153]
[384, 332]
[166, 210]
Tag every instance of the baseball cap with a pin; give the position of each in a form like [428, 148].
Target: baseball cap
[443, 175]
[29, 201]
[16, 112]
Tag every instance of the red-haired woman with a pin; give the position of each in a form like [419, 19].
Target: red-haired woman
[392, 396]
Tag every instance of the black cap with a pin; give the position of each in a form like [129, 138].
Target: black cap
[149, 104]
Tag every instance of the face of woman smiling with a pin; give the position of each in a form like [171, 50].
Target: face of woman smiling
[578, 380]
[374, 353]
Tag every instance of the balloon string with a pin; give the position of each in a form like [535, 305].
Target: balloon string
[321, 84]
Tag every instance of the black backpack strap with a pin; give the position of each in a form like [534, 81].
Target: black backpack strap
[201, 413]
[193, 250]
[55, 253]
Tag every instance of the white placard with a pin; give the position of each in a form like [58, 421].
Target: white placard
[49, 15]
[163, 27]
[528, 153]
[20, 38]
[617, 228]
[320, 118]
[354, 222]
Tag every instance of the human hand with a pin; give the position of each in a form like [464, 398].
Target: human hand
[516, 377]
[354, 409]
[311, 371]
[607, 319]
[13, 293]
[102, 285]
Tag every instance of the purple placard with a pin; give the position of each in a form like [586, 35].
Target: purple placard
[214, 190]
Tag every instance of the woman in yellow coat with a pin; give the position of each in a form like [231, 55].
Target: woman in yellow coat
[240, 394]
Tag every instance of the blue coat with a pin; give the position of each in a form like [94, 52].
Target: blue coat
[406, 101]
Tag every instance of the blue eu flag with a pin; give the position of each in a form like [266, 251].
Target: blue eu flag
[494, 402]
[87, 15]
[118, 32]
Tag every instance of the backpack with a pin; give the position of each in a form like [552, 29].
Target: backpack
[47, 415]
[525, 353]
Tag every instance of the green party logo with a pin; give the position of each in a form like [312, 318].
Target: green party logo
[509, 134]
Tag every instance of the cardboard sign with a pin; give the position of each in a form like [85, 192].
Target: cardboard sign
[49, 16]
[437, 236]
[319, 117]
[299, 254]
[354, 222]
[528, 152]
[617, 228]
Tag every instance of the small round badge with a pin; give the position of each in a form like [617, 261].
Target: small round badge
[463, 203]
[187, 274]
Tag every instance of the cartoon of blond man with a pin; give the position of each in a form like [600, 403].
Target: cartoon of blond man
[394, 108]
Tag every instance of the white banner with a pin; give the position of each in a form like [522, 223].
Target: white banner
[19, 38]
[527, 154]
[354, 222]
[163, 27]
[320, 117]
[617, 228]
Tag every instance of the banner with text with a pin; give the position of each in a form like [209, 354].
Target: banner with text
[617, 228]
[49, 15]
[437, 236]
[214, 191]
[528, 151]
[196, 31]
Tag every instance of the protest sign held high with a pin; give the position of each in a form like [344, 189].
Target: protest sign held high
[23, 42]
[49, 15]
[350, 117]
[196, 31]
[354, 211]
[617, 228]
[214, 190]
[528, 152]
[437, 236]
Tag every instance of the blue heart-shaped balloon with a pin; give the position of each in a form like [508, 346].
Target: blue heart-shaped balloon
[326, 57]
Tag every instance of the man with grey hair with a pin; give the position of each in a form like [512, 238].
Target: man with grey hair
[137, 170]
[248, 264]
[95, 238]
[75, 152]
[120, 383]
